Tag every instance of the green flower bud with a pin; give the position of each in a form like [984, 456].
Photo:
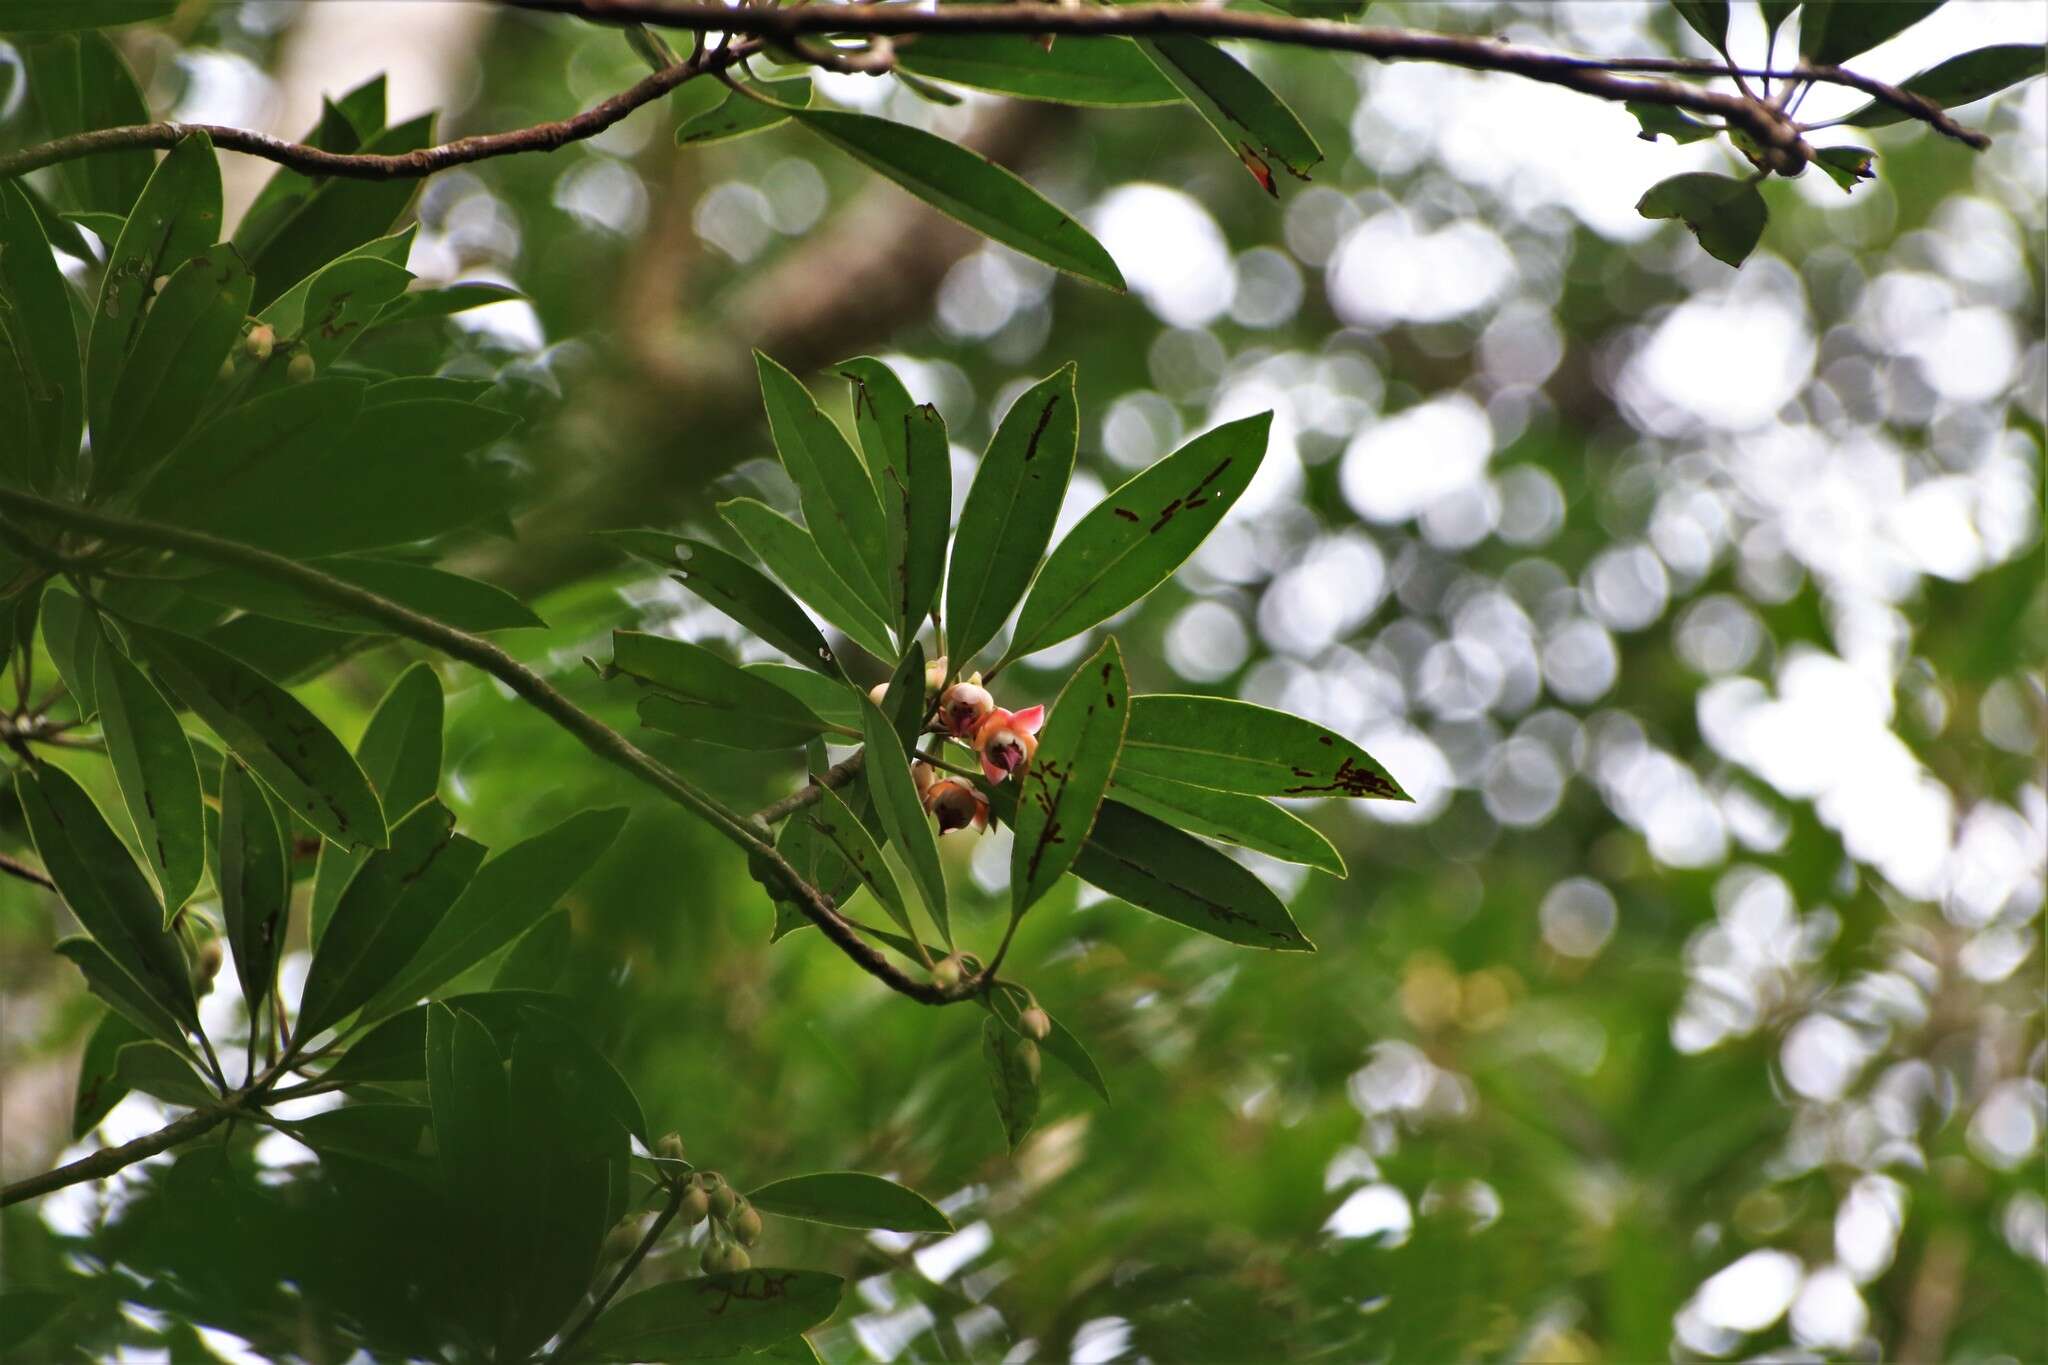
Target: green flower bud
[946, 972]
[722, 1199]
[745, 1224]
[669, 1147]
[1034, 1024]
[206, 966]
[624, 1236]
[695, 1204]
[734, 1259]
[260, 342]
[300, 369]
[1027, 1057]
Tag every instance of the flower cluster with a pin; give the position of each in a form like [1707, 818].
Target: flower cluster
[1003, 740]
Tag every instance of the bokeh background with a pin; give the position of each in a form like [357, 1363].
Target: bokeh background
[1693, 1010]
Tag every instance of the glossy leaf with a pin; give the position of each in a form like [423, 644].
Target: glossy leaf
[36, 327]
[738, 115]
[467, 1090]
[737, 589]
[121, 992]
[902, 813]
[420, 304]
[970, 189]
[1010, 512]
[1063, 786]
[156, 1070]
[1134, 539]
[343, 125]
[712, 1316]
[99, 1088]
[159, 783]
[1176, 876]
[910, 460]
[1832, 31]
[1012, 1066]
[392, 1050]
[830, 699]
[1075, 70]
[104, 888]
[448, 597]
[1708, 18]
[792, 556]
[839, 826]
[535, 962]
[72, 635]
[255, 880]
[400, 753]
[1237, 746]
[1958, 81]
[1248, 821]
[274, 734]
[753, 709]
[342, 301]
[293, 426]
[286, 314]
[387, 913]
[850, 1199]
[510, 893]
[1254, 123]
[841, 510]
[1727, 215]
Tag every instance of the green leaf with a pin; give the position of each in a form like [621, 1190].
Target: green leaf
[910, 459]
[1012, 1066]
[1007, 1002]
[711, 1316]
[970, 189]
[36, 327]
[838, 497]
[1247, 821]
[736, 707]
[400, 753]
[104, 888]
[24, 1313]
[1776, 12]
[388, 1134]
[738, 115]
[173, 362]
[1675, 124]
[1237, 746]
[177, 216]
[391, 907]
[159, 783]
[255, 880]
[72, 635]
[1708, 18]
[924, 89]
[286, 314]
[1846, 166]
[44, 16]
[467, 1090]
[1134, 539]
[272, 732]
[421, 304]
[119, 991]
[1832, 31]
[1010, 512]
[850, 1199]
[737, 589]
[1063, 786]
[1726, 214]
[341, 302]
[839, 826]
[1075, 70]
[99, 1089]
[343, 125]
[1178, 877]
[1254, 123]
[535, 962]
[906, 698]
[902, 814]
[156, 1070]
[450, 598]
[512, 892]
[293, 426]
[830, 698]
[817, 859]
[792, 556]
[1959, 81]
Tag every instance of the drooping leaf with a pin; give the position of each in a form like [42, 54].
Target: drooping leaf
[1726, 214]
[1254, 123]
[840, 827]
[274, 734]
[159, 783]
[400, 753]
[119, 991]
[970, 189]
[467, 1090]
[535, 962]
[39, 341]
[850, 1199]
[902, 813]
[738, 115]
[509, 894]
[1847, 166]
[99, 1088]
[1075, 70]
[172, 362]
[448, 597]
[1664, 120]
[841, 510]
[736, 707]
[714, 1315]
[908, 456]
[387, 913]
[156, 1070]
[177, 216]
[1248, 821]
[255, 880]
[1132, 540]
[1174, 875]
[1708, 18]
[104, 888]
[1832, 31]
[737, 589]
[906, 700]
[72, 635]
[817, 860]
[1063, 786]
[1010, 512]
[1238, 746]
[1958, 81]
[1012, 1066]
[794, 557]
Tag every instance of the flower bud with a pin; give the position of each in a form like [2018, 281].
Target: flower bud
[879, 691]
[722, 1198]
[227, 371]
[745, 1224]
[955, 805]
[935, 675]
[963, 708]
[694, 1205]
[624, 1236]
[923, 774]
[670, 1147]
[1034, 1024]
[733, 1259]
[300, 369]
[206, 966]
[1007, 740]
[1027, 1057]
[946, 972]
[260, 342]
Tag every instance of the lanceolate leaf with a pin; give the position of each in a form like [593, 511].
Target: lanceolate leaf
[1726, 214]
[79, 83]
[830, 699]
[155, 1069]
[1237, 746]
[791, 555]
[1174, 875]
[121, 992]
[1832, 31]
[1007, 1003]
[536, 960]
[1248, 821]
[293, 426]
[450, 598]
[907, 453]
[1257, 126]
[1075, 70]
[1708, 18]
[388, 911]
[467, 1089]
[840, 508]
[692, 673]
[1012, 1066]
[850, 1199]
[1676, 124]
[1959, 80]
[72, 635]
[962, 185]
[839, 826]
[274, 734]
[152, 762]
[1063, 786]
[255, 880]
[717, 1315]
[103, 886]
[400, 753]
[343, 125]
[1137, 536]
[902, 813]
[738, 115]
[39, 16]
[37, 326]
[1846, 166]
[342, 301]
[1010, 513]
[737, 589]
[99, 1089]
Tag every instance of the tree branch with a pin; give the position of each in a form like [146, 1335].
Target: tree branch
[108, 1160]
[14, 867]
[836, 776]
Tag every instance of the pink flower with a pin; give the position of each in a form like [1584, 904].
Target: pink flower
[1006, 740]
[963, 708]
[955, 805]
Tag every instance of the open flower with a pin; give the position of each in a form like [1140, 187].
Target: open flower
[1006, 740]
[964, 707]
[955, 805]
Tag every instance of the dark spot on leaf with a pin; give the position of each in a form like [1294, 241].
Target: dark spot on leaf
[1126, 513]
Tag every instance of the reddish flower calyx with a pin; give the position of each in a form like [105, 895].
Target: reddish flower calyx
[955, 805]
[1007, 740]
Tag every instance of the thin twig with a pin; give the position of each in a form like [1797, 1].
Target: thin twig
[632, 1262]
[836, 776]
[14, 867]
